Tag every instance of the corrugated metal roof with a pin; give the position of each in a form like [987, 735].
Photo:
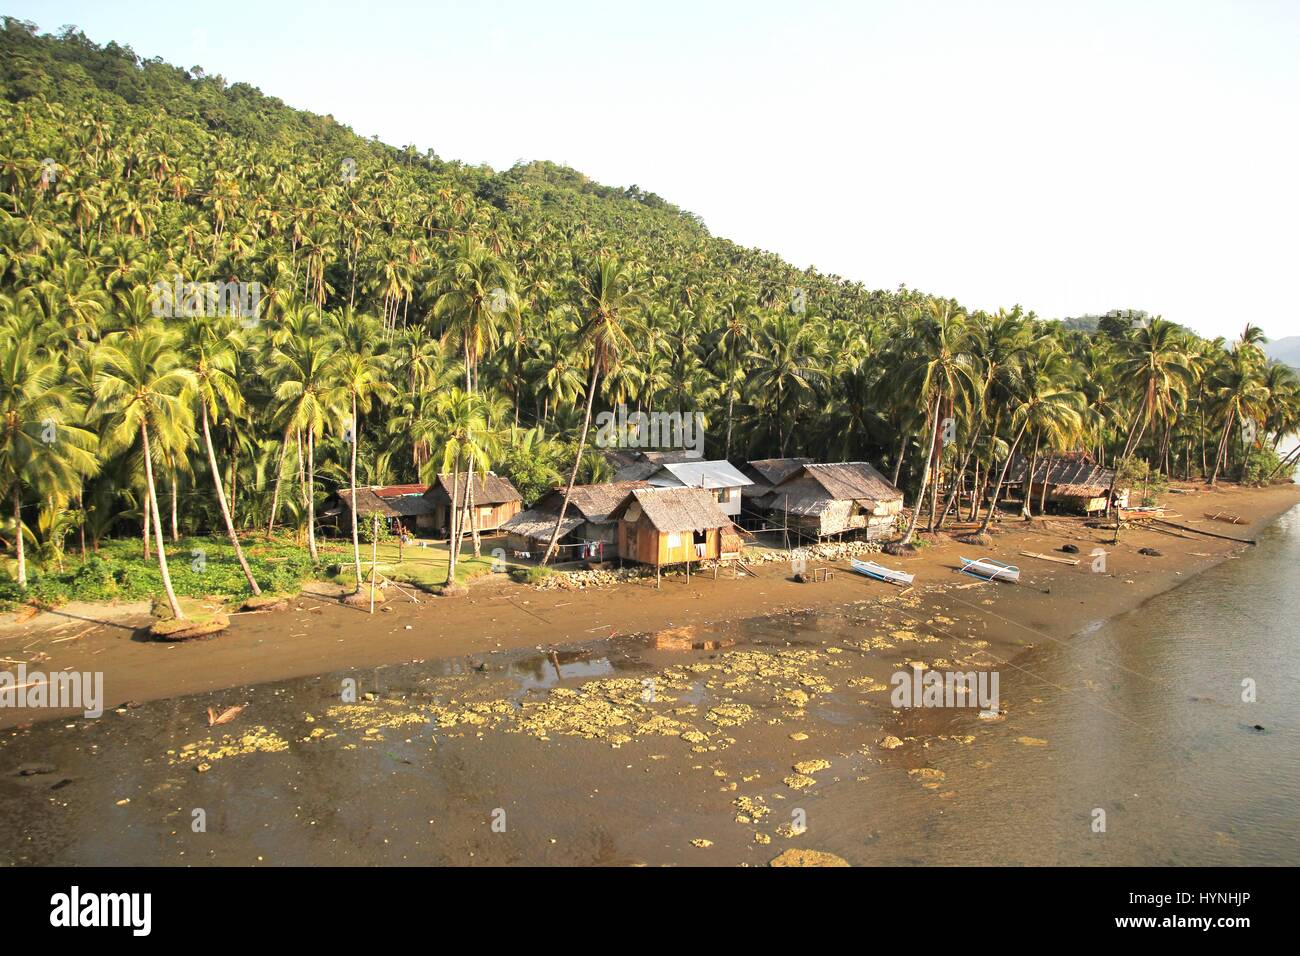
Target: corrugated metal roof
[393, 491]
[700, 474]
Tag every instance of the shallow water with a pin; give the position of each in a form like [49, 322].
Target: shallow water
[1144, 719]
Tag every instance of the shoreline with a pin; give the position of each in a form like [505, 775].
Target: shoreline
[318, 636]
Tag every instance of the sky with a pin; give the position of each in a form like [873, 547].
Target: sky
[1068, 157]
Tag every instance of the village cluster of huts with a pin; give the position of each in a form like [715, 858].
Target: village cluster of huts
[661, 508]
[667, 508]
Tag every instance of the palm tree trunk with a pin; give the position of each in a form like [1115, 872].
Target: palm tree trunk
[1002, 477]
[573, 474]
[473, 512]
[961, 476]
[352, 479]
[18, 534]
[177, 613]
[176, 535]
[453, 522]
[221, 500]
[311, 497]
[144, 524]
[1220, 454]
[933, 418]
[898, 462]
[1129, 445]
[731, 403]
[279, 476]
[1026, 506]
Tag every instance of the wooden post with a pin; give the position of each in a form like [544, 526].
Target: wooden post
[374, 560]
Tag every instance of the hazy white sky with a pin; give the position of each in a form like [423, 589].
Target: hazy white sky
[1069, 157]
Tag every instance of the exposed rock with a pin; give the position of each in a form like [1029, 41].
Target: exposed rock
[187, 629]
[808, 858]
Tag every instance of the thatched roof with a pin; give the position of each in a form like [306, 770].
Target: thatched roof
[773, 471]
[489, 489]
[382, 500]
[814, 488]
[592, 502]
[637, 471]
[675, 509]
[1074, 474]
[535, 523]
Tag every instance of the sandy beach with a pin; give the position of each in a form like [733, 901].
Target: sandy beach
[318, 635]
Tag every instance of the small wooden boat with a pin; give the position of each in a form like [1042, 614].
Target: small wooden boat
[1225, 516]
[882, 573]
[990, 570]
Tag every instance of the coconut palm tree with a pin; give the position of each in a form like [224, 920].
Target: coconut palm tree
[361, 379]
[306, 372]
[142, 385]
[609, 308]
[942, 374]
[1038, 404]
[40, 443]
[211, 346]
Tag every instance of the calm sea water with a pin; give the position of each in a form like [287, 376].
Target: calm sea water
[1144, 720]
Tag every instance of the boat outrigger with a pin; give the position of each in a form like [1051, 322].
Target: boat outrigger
[882, 573]
[990, 570]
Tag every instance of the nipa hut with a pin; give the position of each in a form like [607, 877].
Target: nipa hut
[1073, 481]
[832, 499]
[720, 478]
[403, 505]
[766, 474]
[588, 530]
[665, 526]
[494, 498]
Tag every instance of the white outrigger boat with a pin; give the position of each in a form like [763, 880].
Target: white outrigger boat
[989, 570]
[882, 573]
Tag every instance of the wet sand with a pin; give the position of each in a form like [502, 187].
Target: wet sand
[745, 718]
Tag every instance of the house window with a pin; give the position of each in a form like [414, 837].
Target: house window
[674, 541]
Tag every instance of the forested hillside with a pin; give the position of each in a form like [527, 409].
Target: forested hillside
[451, 317]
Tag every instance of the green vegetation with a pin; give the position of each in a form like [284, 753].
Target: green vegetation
[533, 574]
[415, 316]
[426, 567]
[200, 567]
